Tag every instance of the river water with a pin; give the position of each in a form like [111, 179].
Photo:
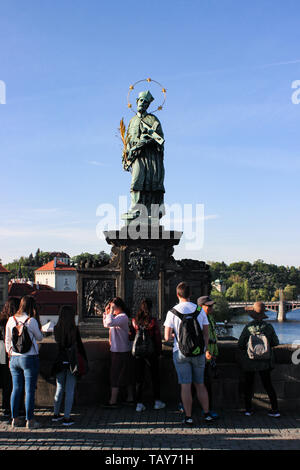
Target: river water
[288, 332]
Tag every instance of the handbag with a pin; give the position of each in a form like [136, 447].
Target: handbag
[77, 363]
[2, 352]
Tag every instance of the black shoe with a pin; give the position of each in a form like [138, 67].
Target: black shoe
[67, 422]
[188, 421]
[274, 413]
[110, 405]
[208, 417]
[56, 418]
[129, 403]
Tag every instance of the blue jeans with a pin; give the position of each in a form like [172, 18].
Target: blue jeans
[65, 382]
[23, 368]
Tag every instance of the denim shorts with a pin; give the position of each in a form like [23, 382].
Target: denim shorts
[189, 369]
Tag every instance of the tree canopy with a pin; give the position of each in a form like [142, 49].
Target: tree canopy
[25, 266]
[245, 281]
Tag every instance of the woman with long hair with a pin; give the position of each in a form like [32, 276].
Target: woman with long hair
[10, 308]
[67, 337]
[24, 366]
[116, 319]
[145, 320]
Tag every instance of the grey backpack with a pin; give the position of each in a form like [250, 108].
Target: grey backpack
[258, 346]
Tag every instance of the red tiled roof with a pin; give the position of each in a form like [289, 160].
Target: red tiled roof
[19, 289]
[55, 296]
[59, 267]
[50, 302]
[3, 269]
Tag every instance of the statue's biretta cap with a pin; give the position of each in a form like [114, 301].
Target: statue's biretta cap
[146, 95]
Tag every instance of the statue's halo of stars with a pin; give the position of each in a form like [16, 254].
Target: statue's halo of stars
[149, 80]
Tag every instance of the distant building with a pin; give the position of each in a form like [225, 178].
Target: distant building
[19, 289]
[3, 286]
[56, 274]
[61, 256]
[219, 285]
[50, 303]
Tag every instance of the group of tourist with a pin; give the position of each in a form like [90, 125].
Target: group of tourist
[194, 370]
[20, 332]
[135, 344]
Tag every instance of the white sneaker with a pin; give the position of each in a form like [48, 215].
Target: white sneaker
[159, 405]
[140, 407]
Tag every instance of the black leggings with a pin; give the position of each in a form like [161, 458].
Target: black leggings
[265, 376]
[140, 365]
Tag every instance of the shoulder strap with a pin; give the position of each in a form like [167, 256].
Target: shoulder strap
[176, 313]
[181, 315]
[19, 322]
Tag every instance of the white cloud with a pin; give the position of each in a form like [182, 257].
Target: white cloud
[287, 62]
[96, 163]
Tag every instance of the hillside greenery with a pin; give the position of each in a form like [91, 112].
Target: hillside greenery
[245, 281]
[25, 266]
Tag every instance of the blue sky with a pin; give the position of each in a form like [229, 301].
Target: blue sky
[231, 128]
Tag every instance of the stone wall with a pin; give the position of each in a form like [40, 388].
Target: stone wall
[227, 387]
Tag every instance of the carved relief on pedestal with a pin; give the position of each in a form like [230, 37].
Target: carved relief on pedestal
[96, 293]
[142, 262]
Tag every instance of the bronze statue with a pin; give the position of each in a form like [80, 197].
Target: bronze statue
[143, 156]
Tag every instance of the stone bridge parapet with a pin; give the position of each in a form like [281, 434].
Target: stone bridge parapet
[227, 387]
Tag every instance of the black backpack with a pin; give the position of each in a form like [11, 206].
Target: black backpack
[143, 345]
[190, 337]
[21, 341]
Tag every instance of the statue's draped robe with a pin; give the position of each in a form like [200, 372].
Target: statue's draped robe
[147, 169]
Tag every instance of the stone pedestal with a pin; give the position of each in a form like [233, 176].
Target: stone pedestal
[142, 265]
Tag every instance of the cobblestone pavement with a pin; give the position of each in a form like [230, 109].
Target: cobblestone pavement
[97, 428]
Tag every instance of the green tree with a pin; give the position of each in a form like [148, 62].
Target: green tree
[99, 259]
[221, 310]
[290, 292]
[218, 270]
[37, 258]
[235, 292]
[246, 290]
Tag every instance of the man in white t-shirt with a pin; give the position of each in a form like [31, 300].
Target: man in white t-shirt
[189, 369]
